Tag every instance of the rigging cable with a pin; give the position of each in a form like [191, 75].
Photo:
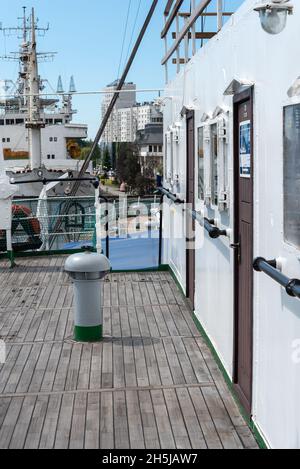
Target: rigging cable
[133, 29]
[124, 38]
[116, 94]
[112, 104]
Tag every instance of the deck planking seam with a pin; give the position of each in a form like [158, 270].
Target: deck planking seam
[107, 390]
[154, 352]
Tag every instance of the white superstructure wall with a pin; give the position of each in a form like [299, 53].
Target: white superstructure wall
[242, 51]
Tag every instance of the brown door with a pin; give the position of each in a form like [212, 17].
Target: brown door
[243, 128]
[190, 199]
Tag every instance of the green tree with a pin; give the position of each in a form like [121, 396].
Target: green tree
[143, 185]
[86, 146]
[127, 163]
[106, 160]
[121, 162]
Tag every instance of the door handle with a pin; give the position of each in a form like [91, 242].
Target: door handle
[237, 247]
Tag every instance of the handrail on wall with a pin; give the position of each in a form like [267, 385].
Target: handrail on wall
[292, 286]
[213, 231]
[170, 196]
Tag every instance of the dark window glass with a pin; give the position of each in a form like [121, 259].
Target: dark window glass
[214, 164]
[292, 174]
[201, 163]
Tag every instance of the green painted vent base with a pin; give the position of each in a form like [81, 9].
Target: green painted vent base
[88, 334]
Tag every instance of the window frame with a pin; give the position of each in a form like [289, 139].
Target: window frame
[222, 122]
[285, 238]
[223, 161]
[214, 122]
[201, 199]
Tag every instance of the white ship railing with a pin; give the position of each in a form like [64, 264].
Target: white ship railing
[91, 221]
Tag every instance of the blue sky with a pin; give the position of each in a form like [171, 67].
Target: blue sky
[88, 38]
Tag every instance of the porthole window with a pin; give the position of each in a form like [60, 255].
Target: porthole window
[291, 177]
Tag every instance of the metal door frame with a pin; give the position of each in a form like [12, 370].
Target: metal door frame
[190, 115]
[238, 99]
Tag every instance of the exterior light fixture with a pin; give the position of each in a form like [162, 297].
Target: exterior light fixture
[273, 15]
[294, 90]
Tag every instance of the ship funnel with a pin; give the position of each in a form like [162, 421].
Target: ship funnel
[72, 85]
[60, 88]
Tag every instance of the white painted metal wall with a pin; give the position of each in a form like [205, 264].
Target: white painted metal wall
[18, 134]
[243, 51]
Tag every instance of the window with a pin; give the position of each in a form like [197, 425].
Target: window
[19, 121]
[223, 182]
[51, 139]
[8, 140]
[150, 149]
[55, 139]
[3, 140]
[214, 164]
[292, 174]
[53, 157]
[165, 156]
[10, 121]
[201, 163]
[48, 157]
[1, 121]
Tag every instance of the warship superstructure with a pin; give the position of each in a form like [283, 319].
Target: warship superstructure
[37, 136]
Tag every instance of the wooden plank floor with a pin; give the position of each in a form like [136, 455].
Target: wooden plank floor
[152, 382]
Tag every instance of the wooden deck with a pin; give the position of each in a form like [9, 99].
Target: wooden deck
[152, 383]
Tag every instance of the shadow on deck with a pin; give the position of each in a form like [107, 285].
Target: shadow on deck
[152, 383]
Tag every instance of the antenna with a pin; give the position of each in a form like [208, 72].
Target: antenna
[24, 25]
[24, 29]
[60, 88]
[72, 88]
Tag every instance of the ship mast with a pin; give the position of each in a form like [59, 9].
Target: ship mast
[34, 122]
